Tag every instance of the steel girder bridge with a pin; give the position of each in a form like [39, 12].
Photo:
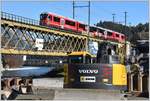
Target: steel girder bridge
[18, 35]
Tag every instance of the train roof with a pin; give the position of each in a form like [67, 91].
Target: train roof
[106, 29]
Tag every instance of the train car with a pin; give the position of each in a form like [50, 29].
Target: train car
[57, 21]
[111, 35]
[103, 32]
[81, 27]
[117, 36]
[93, 31]
[98, 32]
[53, 20]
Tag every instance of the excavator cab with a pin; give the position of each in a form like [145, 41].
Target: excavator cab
[79, 57]
[110, 59]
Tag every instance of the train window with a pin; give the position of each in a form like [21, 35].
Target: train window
[49, 17]
[117, 35]
[97, 30]
[122, 37]
[43, 16]
[93, 29]
[109, 33]
[70, 23]
[101, 31]
[82, 26]
[56, 19]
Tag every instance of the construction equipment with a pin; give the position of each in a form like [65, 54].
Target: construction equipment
[138, 73]
[107, 73]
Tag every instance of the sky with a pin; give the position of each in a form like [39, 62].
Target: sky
[137, 12]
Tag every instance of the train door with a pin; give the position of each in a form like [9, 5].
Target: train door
[49, 19]
[62, 22]
[101, 33]
[97, 33]
[105, 34]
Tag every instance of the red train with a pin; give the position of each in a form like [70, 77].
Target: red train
[106, 34]
[53, 20]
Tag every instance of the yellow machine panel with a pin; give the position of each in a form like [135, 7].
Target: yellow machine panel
[119, 75]
[83, 53]
[65, 73]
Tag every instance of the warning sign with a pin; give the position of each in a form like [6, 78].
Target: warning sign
[39, 43]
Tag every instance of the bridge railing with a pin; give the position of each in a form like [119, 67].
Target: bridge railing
[17, 18]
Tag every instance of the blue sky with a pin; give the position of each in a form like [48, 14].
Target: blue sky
[100, 10]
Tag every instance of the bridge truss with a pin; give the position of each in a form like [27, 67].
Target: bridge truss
[18, 36]
[18, 39]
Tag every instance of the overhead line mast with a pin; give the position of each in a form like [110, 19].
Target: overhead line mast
[125, 35]
[113, 17]
[73, 9]
[87, 42]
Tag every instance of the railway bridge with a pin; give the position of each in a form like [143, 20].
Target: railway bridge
[19, 37]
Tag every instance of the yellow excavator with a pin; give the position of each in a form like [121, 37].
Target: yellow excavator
[106, 73]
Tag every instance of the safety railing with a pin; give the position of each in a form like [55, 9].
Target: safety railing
[17, 18]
